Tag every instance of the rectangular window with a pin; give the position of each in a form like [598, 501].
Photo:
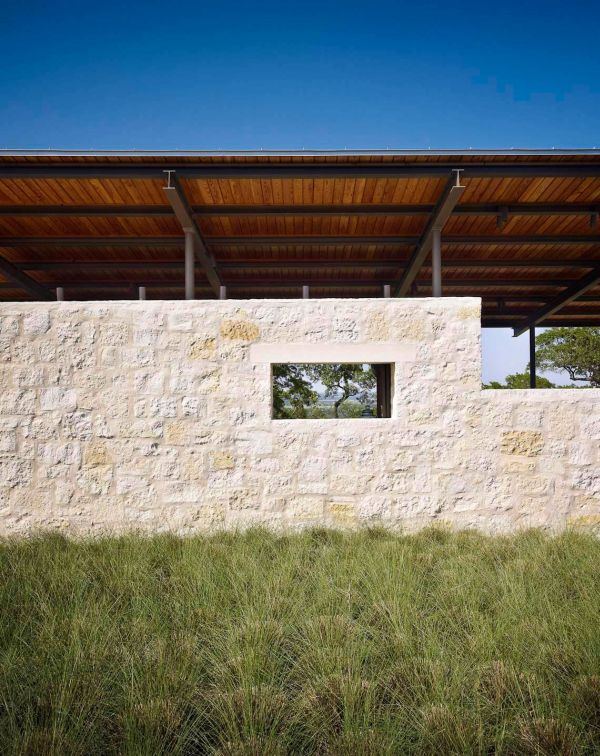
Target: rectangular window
[331, 390]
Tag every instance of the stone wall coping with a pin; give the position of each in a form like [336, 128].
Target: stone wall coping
[356, 352]
[328, 423]
[438, 302]
[541, 395]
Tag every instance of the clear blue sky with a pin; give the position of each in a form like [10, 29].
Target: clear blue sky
[158, 75]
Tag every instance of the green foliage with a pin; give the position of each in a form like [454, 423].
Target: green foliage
[294, 394]
[318, 643]
[347, 409]
[574, 350]
[351, 408]
[519, 381]
[342, 381]
[292, 391]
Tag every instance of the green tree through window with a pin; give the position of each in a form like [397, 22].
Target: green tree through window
[324, 390]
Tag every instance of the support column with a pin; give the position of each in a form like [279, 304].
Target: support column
[532, 365]
[222, 292]
[60, 294]
[306, 292]
[387, 291]
[142, 293]
[190, 283]
[436, 263]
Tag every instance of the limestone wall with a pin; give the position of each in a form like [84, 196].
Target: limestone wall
[157, 415]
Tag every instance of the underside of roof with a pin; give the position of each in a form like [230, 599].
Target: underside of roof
[519, 227]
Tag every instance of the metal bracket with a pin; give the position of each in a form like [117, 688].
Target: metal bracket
[169, 171]
[457, 171]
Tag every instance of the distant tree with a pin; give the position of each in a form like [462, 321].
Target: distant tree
[351, 408]
[519, 381]
[292, 391]
[493, 385]
[344, 381]
[575, 350]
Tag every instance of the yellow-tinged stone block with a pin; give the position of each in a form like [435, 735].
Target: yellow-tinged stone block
[176, 432]
[378, 327]
[221, 460]
[202, 349]
[412, 329]
[524, 443]
[343, 513]
[97, 454]
[466, 313]
[239, 330]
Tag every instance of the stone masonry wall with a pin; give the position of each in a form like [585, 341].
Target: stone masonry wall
[157, 416]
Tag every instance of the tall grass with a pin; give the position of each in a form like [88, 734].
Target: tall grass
[320, 643]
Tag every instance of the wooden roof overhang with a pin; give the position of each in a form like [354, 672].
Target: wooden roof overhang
[523, 232]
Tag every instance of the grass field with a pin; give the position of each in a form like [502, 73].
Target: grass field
[320, 643]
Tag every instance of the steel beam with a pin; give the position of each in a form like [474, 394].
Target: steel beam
[532, 298]
[267, 241]
[575, 290]
[523, 312]
[525, 239]
[323, 170]
[446, 204]
[190, 279]
[479, 282]
[178, 201]
[570, 322]
[436, 262]
[87, 211]
[158, 211]
[279, 264]
[532, 360]
[395, 264]
[244, 284]
[21, 280]
[391, 211]
[319, 241]
[306, 240]
[85, 266]
[91, 241]
[424, 283]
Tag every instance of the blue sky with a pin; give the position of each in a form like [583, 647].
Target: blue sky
[154, 75]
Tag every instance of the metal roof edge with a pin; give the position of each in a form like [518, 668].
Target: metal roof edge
[544, 152]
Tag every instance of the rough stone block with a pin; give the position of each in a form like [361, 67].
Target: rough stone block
[239, 330]
[58, 399]
[221, 460]
[203, 349]
[525, 443]
[36, 323]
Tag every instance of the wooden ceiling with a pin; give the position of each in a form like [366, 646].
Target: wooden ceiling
[524, 234]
